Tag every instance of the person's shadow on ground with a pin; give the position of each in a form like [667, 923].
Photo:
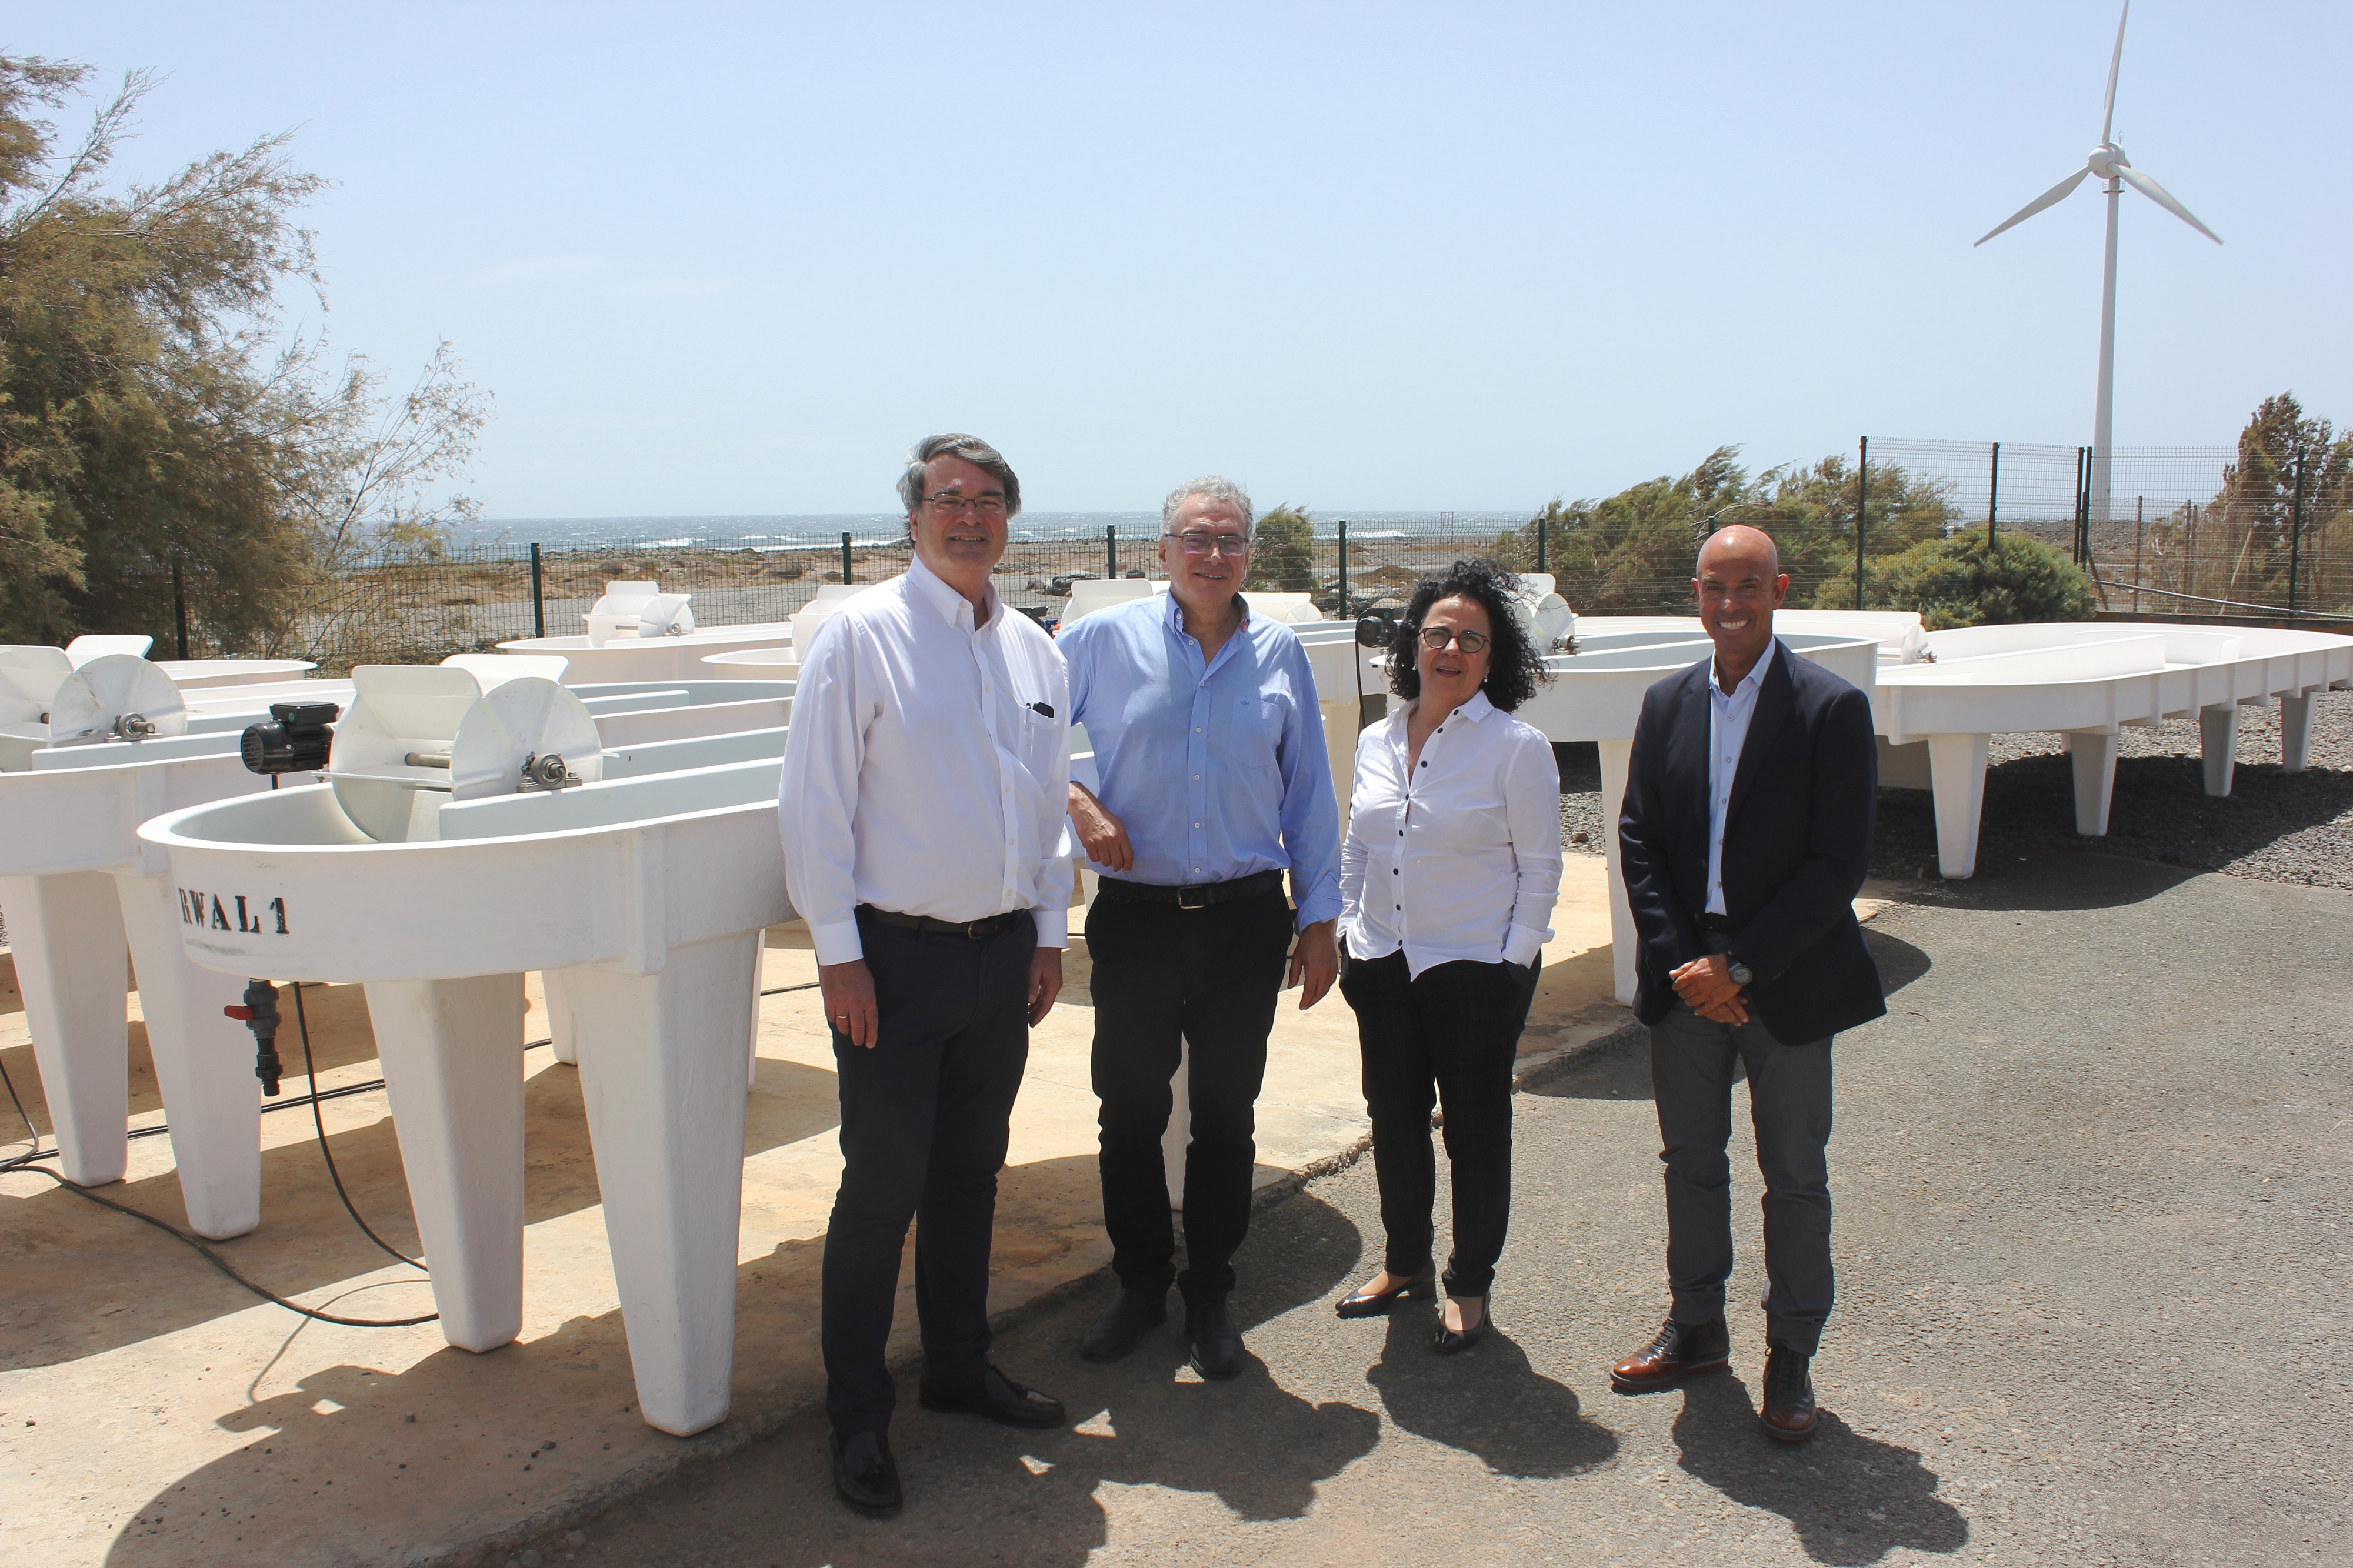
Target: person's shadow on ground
[1851, 1499]
[1486, 1400]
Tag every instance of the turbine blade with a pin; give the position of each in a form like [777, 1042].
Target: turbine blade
[2056, 194]
[2164, 198]
[2115, 61]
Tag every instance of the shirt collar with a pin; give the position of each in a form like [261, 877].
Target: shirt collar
[950, 606]
[1478, 707]
[1753, 679]
[1172, 615]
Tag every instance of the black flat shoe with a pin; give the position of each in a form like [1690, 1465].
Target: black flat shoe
[995, 1398]
[1453, 1341]
[1118, 1331]
[1373, 1303]
[864, 1474]
[1216, 1344]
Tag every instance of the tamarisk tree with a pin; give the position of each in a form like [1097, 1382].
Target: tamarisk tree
[156, 410]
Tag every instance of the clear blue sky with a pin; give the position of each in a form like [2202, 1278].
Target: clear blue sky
[723, 259]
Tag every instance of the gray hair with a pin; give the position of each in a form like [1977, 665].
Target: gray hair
[973, 450]
[1214, 489]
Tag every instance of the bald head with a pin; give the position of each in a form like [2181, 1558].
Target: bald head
[1740, 550]
[1739, 585]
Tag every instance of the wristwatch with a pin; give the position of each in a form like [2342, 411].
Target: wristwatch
[1741, 973]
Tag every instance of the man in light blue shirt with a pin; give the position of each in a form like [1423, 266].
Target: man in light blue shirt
[1212, 783]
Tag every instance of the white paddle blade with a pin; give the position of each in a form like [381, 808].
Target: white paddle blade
[2055, 195]
[2115, 61]
[2164, 198]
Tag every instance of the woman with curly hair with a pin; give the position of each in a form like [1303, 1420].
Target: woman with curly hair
[1447, 882]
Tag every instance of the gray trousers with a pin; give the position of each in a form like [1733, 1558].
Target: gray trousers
[1692, 1066]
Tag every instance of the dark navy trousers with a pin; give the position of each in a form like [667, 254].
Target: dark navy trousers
[924, 1118]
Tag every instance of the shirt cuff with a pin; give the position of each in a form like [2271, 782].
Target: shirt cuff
[1053, 926]
[1317, 910]
[1522, 944]
[839, 942]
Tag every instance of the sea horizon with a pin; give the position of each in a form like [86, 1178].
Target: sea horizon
[778, 532]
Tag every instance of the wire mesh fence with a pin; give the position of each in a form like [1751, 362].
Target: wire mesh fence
[2181, 533]
[2184, 531]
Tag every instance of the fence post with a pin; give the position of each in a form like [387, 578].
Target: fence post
[1862, 498]
[538, 597]
[1343, 569]
[180, 603]
[1993, 494]
[2294, 535]
[2083, 499]
[1111, 551]
[845, 555]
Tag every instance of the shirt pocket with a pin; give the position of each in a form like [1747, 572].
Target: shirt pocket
[1246, 732]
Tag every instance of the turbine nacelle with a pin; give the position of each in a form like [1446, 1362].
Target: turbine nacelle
[2107, 159]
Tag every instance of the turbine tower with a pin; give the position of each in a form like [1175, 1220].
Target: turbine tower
[2108, 162]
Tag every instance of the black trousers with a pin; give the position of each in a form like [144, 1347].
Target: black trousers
[1692, 1068]
[1165, 976]
[1450, 1036]
[924, 1115]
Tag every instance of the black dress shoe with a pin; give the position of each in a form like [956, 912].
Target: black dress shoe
[1676, 1352]
[996, 1397]
[1372, 1303]
[1789, 1413]
[865, 1475]
[1216, 1344]
[1453, 1341]
[1118, 1331]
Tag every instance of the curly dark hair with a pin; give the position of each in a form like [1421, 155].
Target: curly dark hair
[1515, 666]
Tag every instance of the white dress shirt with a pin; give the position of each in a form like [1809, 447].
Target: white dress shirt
[1461, 860]
[1727, 731]
[920, 773]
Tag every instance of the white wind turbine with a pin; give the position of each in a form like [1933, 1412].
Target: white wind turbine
[2108, 162]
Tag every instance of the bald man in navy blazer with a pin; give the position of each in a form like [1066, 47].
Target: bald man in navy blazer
[1743, 838]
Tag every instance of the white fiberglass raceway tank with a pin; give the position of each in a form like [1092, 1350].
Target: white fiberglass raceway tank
[647, 898]
[78, 885]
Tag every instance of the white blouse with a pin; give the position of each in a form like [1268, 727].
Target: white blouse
[1460, 861]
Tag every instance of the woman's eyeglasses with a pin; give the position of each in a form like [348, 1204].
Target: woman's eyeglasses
[1435, 639]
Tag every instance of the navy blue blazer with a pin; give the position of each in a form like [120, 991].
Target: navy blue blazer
[1797, 844]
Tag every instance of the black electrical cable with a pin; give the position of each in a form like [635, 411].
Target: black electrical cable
[217, 1261]
[21, 1164]
[319, 1121]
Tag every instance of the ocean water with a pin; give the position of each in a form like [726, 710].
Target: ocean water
[800, 531]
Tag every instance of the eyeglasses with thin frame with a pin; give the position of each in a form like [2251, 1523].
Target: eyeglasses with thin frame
[985, 505]
[1195, 543]
[1435, 639]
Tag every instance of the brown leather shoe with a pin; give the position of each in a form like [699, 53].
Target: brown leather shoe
[1789, 1413]
[1676, 1352]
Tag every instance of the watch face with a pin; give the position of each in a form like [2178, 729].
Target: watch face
[1742, 974]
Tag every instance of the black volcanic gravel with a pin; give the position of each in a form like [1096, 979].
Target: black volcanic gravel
[2276, 825]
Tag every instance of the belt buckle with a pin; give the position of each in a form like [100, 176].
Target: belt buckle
[1200, 887]
[972, 931]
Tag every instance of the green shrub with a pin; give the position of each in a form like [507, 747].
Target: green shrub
[1961, 581]
[1282, 551]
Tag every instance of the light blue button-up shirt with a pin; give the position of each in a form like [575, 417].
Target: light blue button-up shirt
[1727, 732]
[1218, 772]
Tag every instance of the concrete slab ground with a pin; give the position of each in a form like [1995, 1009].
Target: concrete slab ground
[151, 1411]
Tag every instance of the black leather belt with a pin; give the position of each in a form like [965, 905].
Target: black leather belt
[1192, 895]
[1721, 924]
[976, 930]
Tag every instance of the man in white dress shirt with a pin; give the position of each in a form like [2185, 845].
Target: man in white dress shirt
[923, 812]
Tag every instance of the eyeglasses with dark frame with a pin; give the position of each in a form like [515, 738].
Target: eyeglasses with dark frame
[948, 501]
[1195, 543]
[1435, 639]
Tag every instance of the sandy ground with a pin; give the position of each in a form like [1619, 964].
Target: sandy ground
[153, 1412]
